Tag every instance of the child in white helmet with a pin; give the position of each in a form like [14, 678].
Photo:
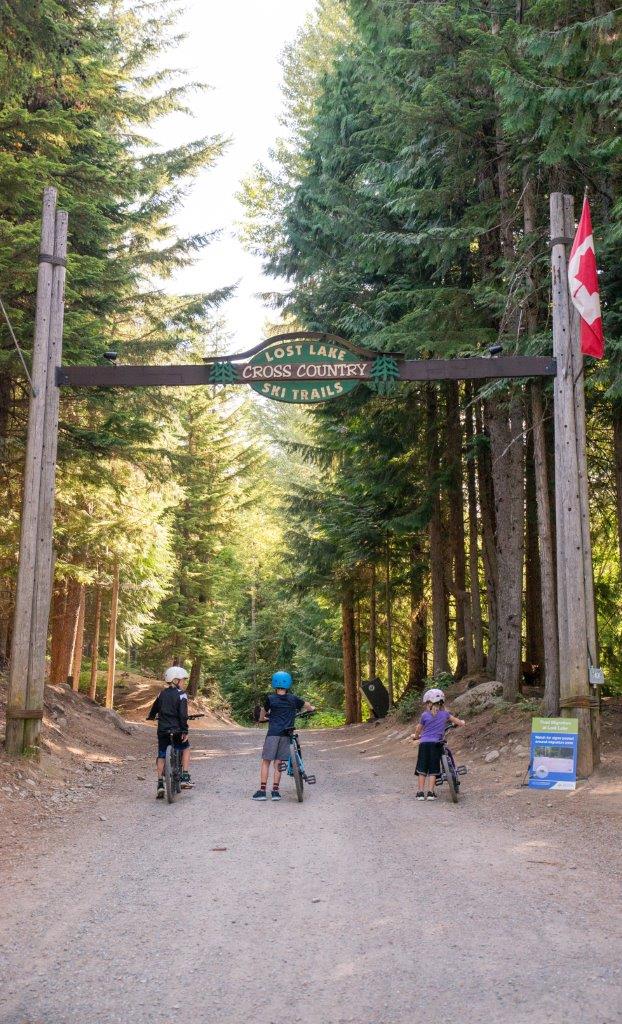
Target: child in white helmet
[171, 710]
[430, 732]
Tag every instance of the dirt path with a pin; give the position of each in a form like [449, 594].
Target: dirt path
[358, 906]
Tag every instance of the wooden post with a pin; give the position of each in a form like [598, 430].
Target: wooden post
[95, 643]
[44, 572]
[76, 661]
[112, 638]
[571, 597]
[584, 501]
[22, 622]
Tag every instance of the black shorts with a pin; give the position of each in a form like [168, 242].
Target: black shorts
[429, 760]
[164, 738]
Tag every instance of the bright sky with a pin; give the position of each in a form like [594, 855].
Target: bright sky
[234, 46]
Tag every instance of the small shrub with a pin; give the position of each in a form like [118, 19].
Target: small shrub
[409, 707]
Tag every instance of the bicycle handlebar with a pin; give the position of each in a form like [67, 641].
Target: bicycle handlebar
[192, 717]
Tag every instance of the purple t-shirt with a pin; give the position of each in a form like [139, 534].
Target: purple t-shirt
[434, 726]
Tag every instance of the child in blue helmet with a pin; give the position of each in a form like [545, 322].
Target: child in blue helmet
[279, 710]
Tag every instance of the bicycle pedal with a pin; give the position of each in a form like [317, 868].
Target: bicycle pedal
[310, 780]
[462, 770]
[282, 766]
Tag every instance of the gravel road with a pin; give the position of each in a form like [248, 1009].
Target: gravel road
[357, 906]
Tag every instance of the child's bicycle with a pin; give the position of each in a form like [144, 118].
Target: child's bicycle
[172, 765]
[294, 766]
[450, 771]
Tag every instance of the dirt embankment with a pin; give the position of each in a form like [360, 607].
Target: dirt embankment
[83, 748]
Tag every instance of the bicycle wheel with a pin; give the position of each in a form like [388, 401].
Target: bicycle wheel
[449, 778]
[293, 753]
[169, 774]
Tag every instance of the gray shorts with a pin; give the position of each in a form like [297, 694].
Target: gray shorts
[275, 748]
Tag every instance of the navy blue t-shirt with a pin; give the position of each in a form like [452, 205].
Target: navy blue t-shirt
[281, 709]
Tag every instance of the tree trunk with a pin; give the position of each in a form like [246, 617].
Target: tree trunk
[476, 604]
[440, 662]
[76, 660]
[112, 639]
[534, 644]
[506, 433]
[417, 670]
[4, 640]
[95, 643]
[389, 620]
[617, 450]
[453, 448]
[349, 656]
[550, 669]
[373, 626]
[65, 610]
[195, 677]
[489, 551]
[359, 709]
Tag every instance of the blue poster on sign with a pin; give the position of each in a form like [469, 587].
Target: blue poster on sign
[554, 744]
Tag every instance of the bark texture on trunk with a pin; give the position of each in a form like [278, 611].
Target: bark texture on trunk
[95, 642]
[76, 660]
[476, 601]
[617, 450]
[453, 448]
[534, 643]
[489, 527]
[389, 620]
[417, 669]
[195, 677]
[506, 432]
[65, 608]
[440, 661]
[550, 669]
[373, 626]
[348, 642]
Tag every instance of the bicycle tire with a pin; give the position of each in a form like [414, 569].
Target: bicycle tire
[298, 779]
[169, 774]
[449, 778]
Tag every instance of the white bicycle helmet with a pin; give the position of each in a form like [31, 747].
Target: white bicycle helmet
[175, 672]
[434, 696]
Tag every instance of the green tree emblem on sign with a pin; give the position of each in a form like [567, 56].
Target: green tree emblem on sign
[384, 374]
[223, 373]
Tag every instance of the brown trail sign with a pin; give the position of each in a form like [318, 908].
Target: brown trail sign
[308, 367]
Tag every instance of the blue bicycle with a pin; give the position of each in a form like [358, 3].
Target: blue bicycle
[294, 766]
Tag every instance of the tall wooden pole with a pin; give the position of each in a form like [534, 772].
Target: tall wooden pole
[42, 590]
[584, 501]
[22, 622]
[571, 591]
[95, 643]
[112, 638]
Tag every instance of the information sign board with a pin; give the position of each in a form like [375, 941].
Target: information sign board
[554, 744]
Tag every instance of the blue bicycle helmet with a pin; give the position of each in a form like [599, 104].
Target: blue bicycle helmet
[281, 681]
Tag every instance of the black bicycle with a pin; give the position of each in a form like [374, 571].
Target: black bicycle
[450, 771]
[294, 766]
[172, 764]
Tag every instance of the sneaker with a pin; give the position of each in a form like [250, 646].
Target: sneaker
[160, 790]
[185, 781]
[431, 795]
[260, 795]
[420, 795]
[275, 795]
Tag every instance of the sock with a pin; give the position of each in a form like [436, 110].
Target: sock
[262, 786]
[275, 787]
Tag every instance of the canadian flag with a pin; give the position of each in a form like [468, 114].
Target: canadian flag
[583, 282]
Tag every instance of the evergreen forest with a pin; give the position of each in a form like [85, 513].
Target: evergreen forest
[406, 531]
